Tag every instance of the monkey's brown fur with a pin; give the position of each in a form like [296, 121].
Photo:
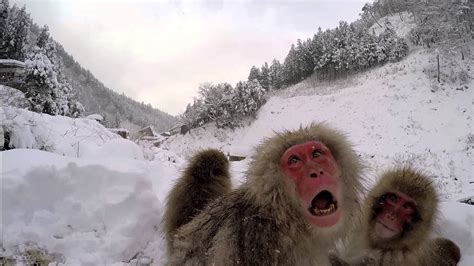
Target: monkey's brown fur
[262, 222]
[413, 246]
[419, 187]
[205, 179]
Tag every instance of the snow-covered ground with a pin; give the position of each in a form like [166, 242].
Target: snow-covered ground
[81, 195]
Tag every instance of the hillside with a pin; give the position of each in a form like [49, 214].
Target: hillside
[64, 80]
[118, 110]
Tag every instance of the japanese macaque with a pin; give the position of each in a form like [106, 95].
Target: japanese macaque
[205, 179]
[397, 219]
[301, 193]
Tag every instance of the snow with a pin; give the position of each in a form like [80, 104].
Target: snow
[12, 97]
[102, 211]
[401, 23]
[12, 62]
[58, 134]
[88, 197]
[96, 117]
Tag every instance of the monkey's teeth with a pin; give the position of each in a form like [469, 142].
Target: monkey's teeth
[319, 212]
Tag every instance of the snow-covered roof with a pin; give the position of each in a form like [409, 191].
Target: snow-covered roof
[11, 62]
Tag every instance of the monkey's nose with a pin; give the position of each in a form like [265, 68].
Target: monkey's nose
[313, 175]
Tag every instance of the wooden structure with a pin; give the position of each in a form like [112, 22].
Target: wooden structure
[178, 129]
[236, 158]
[122, 132]
[146, 132]
[12, 72]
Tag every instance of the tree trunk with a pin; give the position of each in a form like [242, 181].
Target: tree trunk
[438, 69]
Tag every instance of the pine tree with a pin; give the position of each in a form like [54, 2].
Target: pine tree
[304, 61]
[264, 77]
[290, 67]
[4, 15]
[275, 75]
[15, 33]
[254, 73]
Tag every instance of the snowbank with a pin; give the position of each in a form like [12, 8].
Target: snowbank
[80, 137]
[90, 212]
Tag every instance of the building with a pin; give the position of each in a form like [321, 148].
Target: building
[12, 72]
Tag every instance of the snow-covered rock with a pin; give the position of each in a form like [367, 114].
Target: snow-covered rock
[58, 134]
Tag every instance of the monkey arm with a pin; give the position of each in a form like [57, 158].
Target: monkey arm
[232, 231]
[440, 251]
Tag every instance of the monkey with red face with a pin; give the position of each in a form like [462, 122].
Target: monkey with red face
[301, 194]
[397, 219]
[313, 169]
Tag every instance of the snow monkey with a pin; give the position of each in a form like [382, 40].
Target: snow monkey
[397, 218]
[205, 179]
[301, 193]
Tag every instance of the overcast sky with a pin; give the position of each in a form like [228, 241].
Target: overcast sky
[159, 52]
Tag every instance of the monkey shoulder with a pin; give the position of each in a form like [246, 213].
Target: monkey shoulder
[235, 222]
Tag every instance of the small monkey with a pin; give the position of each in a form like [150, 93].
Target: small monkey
[397, 218]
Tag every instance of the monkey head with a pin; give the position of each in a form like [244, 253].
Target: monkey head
[401, 209]
[312, 174]
[396, 212]
[315, 173]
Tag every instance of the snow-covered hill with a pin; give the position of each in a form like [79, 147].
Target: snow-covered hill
[395, 113]
[91, 198]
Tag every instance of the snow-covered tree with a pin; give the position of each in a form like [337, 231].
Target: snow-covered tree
[15, 25]
[248, 97]
[4, 11]
[218, 102]
[254, 73]
[275, 75]
[46, 88]
[264, 77]
[290, 73]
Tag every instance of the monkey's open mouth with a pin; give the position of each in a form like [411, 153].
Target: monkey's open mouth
[323, 204]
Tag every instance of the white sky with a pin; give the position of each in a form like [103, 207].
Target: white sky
[159, 52]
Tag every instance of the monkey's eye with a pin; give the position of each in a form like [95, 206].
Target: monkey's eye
[317, 153]
[293, 159]
[390, 197]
